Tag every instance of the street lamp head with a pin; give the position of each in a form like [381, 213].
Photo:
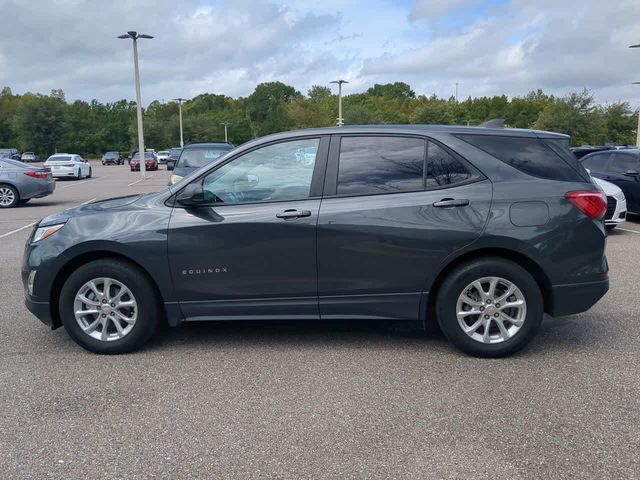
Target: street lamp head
[126, 35]
[339, 82]
[634, 46]
[144, 35]
[132, 33]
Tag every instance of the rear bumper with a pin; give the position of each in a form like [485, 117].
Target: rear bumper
[577, 297]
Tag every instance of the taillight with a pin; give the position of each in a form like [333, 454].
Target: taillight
[592, 203]
[33, 174]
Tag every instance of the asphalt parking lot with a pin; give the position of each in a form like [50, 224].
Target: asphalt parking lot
[315, 400]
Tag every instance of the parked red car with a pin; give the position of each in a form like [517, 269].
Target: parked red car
[150, 161]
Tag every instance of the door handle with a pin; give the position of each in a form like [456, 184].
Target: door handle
[450, 202]
[292, 213]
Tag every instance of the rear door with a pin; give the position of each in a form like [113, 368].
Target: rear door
[623, 169]
[393, 208]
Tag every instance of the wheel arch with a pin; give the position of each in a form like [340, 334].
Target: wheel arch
[519, 258]
[82, 259]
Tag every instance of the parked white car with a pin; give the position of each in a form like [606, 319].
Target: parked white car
[616, 204]
[163, 156]
[68, 165]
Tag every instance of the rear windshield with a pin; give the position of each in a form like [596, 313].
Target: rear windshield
[199, 157]
[59, 159]
[14, 163]
[544, 158]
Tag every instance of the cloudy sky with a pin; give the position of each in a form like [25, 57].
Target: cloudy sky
[228, 46]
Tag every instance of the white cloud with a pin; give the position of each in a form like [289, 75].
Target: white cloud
[227, 46]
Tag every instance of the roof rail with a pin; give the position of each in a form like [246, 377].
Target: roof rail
[493, 123]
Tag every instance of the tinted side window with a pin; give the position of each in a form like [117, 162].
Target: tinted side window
[370, 165]
[443, 168]
[272, 173]
[622, 162]
[596, 162]
[529, 155]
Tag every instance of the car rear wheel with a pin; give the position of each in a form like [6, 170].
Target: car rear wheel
[9, 196]
[490, 307]
[109, 307]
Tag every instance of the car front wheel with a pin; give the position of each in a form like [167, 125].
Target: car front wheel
[9, 196]
[109, 307]
[490, 307]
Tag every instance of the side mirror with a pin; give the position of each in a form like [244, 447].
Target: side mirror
[192, 195]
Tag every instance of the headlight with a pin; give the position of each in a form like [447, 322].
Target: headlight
[175, 179]
[44, 232]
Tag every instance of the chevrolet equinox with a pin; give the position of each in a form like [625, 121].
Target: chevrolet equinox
[480, 229]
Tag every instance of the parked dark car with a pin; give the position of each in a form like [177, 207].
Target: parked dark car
[621, 167]
[480, 229]
[585, 150]
[20, 182]
[11, 153]
[112, 158]
[174, 154]
[150, 161]
[195, 156]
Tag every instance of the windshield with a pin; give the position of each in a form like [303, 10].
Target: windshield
[199, 157]
[147, 156]
[111, 155]
[163, 152]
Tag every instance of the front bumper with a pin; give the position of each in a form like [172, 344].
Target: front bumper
[577, 297]
[42, 310]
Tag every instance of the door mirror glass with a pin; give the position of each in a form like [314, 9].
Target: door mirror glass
[192, 195]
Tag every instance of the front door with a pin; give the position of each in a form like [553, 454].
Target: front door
[400, 205]
[623, 170]
[252, 253]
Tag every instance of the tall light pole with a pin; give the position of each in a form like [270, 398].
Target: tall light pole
[638, 131]
[135, 36]
[226, 136]
[340, 119]
[180, 100]
[457, 91]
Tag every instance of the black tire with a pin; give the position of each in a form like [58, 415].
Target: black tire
[609, 227]
[16, 196]
[23, 201]
[90, 173]
[149, 310]
[456, 282]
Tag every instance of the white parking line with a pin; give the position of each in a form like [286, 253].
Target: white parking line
[33, 223]
[75, 184]
[627, 230]
[141, 180]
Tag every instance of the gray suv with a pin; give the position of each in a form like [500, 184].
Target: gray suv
[479, 229]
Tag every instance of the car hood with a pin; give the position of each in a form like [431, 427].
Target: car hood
[62, 217]
[609, 188]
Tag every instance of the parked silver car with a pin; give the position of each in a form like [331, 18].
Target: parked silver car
[28, 157]
[20, 182]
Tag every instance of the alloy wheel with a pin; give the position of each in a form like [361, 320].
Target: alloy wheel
[7, 196]
[491, 310]
[105, 309]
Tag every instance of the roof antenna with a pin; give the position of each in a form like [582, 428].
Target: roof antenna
[493, 123]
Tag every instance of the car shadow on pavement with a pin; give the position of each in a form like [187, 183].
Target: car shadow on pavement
[310, 334]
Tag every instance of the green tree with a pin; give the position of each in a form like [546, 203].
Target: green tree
[391, 90]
